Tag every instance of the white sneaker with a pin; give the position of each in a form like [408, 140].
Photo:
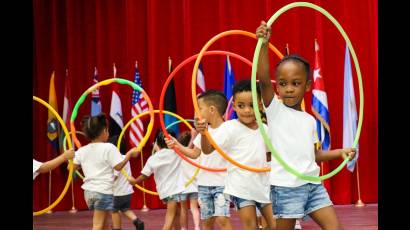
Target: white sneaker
[297, 225]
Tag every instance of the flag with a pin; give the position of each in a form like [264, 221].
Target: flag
[320, 107]
[66, 109]
[139, 105]
[52, 123]
[200, 81]
[170, 103]
[116, 123]
[287, 49]
[95, 98]
[349, 111]
[229, 81]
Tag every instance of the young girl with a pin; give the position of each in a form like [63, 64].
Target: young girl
[292, 132]
[97, 160]
[191, 192]
[165, 164]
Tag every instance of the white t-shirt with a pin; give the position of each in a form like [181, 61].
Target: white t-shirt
[121, 185]
[165, 164]
[212, 160]
[97, 161]
[36, 166]
[245, 146]
[187, 172]
[292, 133]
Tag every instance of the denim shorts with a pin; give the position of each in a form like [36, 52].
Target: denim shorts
[99, 201]
[175, 197]
[213, 202]
[240, 203]
[122, 203]
[298, 202]
[186, 196]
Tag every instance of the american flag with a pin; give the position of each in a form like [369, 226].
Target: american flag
[139, 105]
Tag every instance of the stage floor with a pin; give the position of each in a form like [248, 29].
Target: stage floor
[363, 218]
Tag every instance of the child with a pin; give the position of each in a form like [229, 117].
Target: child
[292, 134]
[39, 167]
[213, 203]
[190, 192]
[122, 200]
[97, 160]
[165, 164]
[241, 139]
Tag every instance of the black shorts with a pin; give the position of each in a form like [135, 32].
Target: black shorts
[122, 203]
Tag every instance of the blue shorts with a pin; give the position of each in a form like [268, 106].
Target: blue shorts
[240, 203]
[191, 196]
[175, 197]
[212, 201]
[298, 202]
[122, 203]
[99, 201]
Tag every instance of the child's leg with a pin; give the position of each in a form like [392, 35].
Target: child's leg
[99, 219]
[184, 215]
[208, 224]
[172, 207]
[326, 217]
[176, 224]
[195, 212]
[247, 215]
[130, 215]
[116, 220]
[268, 217]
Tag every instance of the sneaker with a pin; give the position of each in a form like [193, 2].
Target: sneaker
[139, 224]
[297, 225]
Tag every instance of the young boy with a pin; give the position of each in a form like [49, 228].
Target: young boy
[214, 205]
[241, 139]
[165, 164]
[292, 132]
[39, 167]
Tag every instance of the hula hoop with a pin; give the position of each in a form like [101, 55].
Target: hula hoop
[70, 162]
[195, 101]
[125, 128]
[197, 169]
[107, 82]
[254, 96]
[65, 149]
[170, 77]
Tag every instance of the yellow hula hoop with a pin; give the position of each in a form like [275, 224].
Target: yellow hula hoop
[122, 134]
[70, 162]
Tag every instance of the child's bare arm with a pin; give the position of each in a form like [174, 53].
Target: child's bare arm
[139, 179]
[322, 155]
[54, 163]
[134, 152]
[265, 84]
[189, 152]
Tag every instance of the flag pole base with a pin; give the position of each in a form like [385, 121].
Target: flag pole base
[144, 208]
[359, 203]
[49, 211]
[73, 210]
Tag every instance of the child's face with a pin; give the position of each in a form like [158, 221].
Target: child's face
[292, 83]
[205, 111]
[243, 107]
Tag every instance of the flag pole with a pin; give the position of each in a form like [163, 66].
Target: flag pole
[144, 207]
[359, 202]
[73, 209]
[49, 192]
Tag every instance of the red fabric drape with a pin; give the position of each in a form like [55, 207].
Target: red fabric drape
[79, 35]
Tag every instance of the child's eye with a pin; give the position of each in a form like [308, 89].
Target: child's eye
[282, 83]
[296, 83]
[241, 106]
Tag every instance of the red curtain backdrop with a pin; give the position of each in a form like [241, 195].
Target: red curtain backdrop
[80, 35]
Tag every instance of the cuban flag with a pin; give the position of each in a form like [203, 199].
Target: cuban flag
[320, 107]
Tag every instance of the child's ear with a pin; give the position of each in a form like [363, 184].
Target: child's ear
[308, 85]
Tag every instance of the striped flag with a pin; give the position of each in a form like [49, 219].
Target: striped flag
[116, 123]
[96, 107]
[349, 111]
[229, 82]
[139, 105]
[52, 123]
[319, 104]
[200, 81]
